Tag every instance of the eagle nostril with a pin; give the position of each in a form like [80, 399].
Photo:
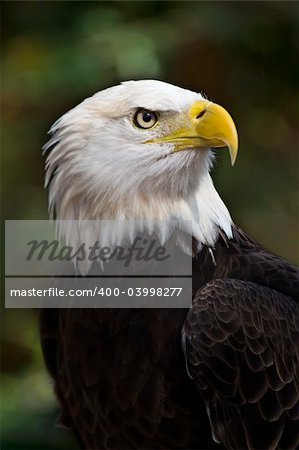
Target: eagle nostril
[202, 113]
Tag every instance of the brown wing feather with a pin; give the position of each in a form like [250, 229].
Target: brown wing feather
[243, 259]
[120, 375]
[242, 344]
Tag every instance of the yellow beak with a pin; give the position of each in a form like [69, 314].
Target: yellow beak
[207, 125]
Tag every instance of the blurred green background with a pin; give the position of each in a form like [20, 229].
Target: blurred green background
[243, 55]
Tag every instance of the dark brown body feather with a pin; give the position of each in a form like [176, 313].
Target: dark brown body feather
[121, 375]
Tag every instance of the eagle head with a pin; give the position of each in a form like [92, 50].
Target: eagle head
[140, 150]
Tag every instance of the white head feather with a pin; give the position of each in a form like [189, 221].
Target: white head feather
[100, 168]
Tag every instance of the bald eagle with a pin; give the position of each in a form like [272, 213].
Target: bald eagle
[222, 374]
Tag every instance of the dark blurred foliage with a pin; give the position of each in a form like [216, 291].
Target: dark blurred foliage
[243, 55]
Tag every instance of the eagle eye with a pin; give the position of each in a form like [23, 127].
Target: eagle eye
[145, 118]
